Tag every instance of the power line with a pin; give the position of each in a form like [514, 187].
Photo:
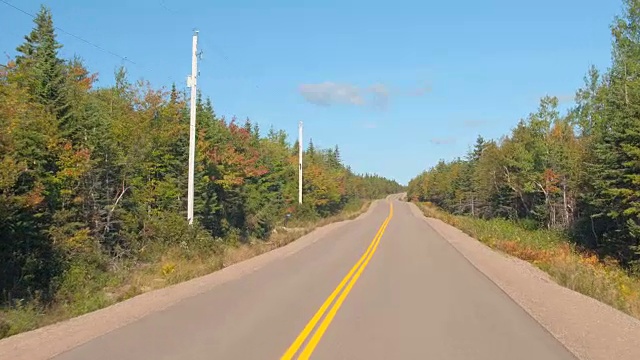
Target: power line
[206, 45]
[217, 50]
[166, 7]
[162, 3]
[123, 58]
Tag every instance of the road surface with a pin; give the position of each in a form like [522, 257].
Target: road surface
[407, 294]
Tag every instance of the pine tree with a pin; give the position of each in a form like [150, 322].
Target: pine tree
[311, 149]
[616, 165]
[478, 149]
[46, 72]
[90, 178]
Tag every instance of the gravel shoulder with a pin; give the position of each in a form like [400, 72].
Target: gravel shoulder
[49, 341]
[590, 329]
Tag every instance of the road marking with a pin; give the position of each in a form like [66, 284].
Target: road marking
[308, 350]
[351, 279]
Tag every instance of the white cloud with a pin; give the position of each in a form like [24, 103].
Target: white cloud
[380, 95]
[370, 125]
[442, 141]
[419, 91]
[330, 93]
[473, 123]
[565, 98]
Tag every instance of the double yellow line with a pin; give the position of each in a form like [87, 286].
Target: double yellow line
[349, 281]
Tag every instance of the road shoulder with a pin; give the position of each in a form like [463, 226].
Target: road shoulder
[49, 341]
[588, 328]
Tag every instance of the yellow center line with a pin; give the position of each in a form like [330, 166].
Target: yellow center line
[308, 350]
[358, 268]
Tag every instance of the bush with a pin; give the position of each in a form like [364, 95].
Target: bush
[304, 212]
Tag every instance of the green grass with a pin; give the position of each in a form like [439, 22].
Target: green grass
[553, 252]
[86, 287]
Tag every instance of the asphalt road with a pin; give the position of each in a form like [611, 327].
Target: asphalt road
[410, 296]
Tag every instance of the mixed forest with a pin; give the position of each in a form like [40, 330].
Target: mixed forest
[93, 177]
[577, 172]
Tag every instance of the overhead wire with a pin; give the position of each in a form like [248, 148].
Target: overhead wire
[207, 45]
[164, 5]
[123, 58]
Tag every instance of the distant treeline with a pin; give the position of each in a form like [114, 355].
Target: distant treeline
[578, 171]
[93, 176]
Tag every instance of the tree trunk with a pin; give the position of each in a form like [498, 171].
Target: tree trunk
[473, 210]
[565, 205]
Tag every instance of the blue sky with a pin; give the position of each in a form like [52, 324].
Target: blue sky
[397, 85]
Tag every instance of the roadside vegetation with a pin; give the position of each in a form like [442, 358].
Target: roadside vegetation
[561, 190]
[553, 252]
[93, 187]
[162, 265]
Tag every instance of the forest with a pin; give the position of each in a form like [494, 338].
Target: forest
[577, 172]
[92, 178]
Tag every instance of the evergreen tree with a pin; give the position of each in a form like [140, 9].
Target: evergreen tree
[617, 143]
[46, 72]
[311, 149]
[93, 179]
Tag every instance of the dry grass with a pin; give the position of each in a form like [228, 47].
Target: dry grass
[166, 266]
[551, 251]
[283, 236]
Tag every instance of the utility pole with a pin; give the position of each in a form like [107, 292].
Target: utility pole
[191, 82]
[300, 162]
